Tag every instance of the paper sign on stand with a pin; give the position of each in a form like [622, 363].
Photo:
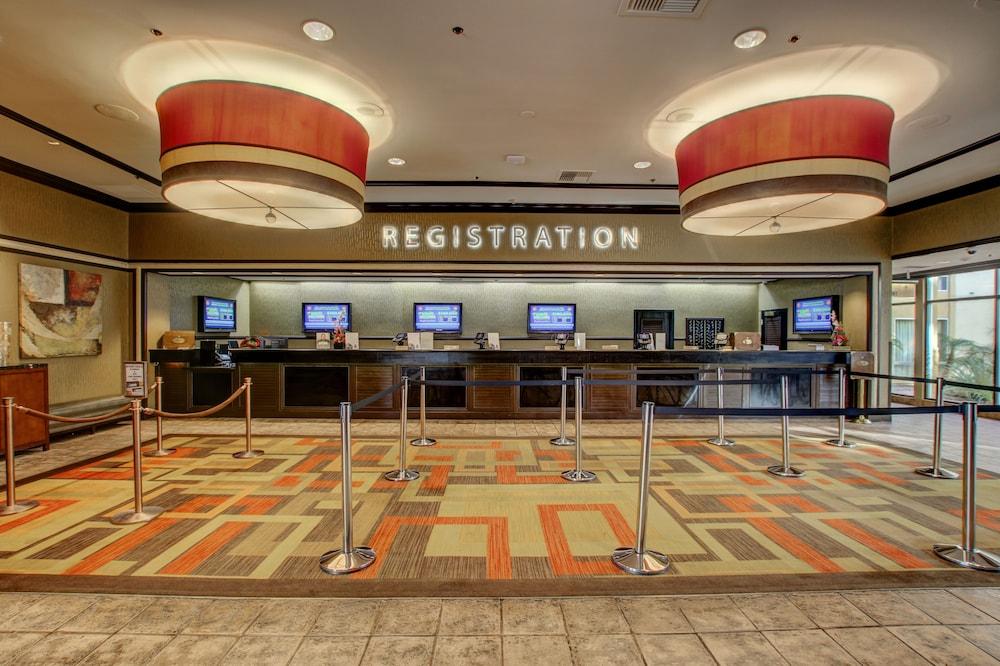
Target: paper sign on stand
[493, 341]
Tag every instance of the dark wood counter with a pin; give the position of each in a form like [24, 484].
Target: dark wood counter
[311, 383]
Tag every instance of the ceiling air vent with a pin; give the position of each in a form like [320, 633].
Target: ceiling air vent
[575, 176]
[662, 8]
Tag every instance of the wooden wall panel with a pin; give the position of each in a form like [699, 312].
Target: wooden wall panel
[610, 398]
[367, 380]
[489, 398]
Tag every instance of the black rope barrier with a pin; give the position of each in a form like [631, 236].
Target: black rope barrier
[974, 387]
[876, 375]
[805, 411]
[361, 404]
[677, 382]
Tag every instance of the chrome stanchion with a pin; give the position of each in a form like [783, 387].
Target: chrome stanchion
[159, 451]
[562, 439]
[785, 468]
[639, 560]
[578, 473]
[249, 451]
[841, 420]
[966, 554]
[935, 471]
[423, 440]
[348, 558]
[12, 506]
[403, 474]
[721, 440]
[141, 514]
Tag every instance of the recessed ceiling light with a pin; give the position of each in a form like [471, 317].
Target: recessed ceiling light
[318, 31]
[527, 113]
[748, 39]
[53, 142]
[396, 161]
[116, 112]
[642, 165]
[516, 160]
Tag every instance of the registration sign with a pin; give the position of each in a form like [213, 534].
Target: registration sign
[134, 376]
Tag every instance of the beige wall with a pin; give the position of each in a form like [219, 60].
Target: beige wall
[853, 293]
[170, 303]
[971, 218]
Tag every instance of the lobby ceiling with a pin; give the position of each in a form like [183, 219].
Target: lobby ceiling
[592, 80]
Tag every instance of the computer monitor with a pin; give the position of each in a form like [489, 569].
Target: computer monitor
[443, 318]
[548, 318]
[814, 315]
[216, 315]
[324, 317]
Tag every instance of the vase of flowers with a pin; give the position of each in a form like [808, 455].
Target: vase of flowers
[339, 338]
[838, 337]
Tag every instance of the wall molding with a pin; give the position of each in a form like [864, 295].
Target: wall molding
[51, 251]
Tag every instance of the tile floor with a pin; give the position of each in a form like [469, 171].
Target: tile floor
[958, 626]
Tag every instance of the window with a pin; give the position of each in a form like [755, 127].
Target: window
[903, 344]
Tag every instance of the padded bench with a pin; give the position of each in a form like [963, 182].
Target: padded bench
[87, 408]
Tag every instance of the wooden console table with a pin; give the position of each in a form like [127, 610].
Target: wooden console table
[28, 384]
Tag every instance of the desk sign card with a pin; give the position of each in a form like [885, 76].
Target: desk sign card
[134, 376]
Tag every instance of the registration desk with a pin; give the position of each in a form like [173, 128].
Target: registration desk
[308, 383]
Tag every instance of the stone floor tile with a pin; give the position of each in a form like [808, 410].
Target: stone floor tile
[887, 607]
[107, 615]
[941, 645]
[714, 613]
[126, 649]
[408, 617]
[672, 649]
[60, 649]
[330, 651]
[986, 599]
[593, 616]
[399, 651]
[874, 646]
[266, 650]
[808, 647]
[168, 615]
[829, 609]
[189, 650]
[225, 616]
[604, 649]
[286, 617]
[12, 644]
[654, 615]
[772, 612]
[520, 650]
[532, 616]
[469, 617]
[346, 617]
[14, 603]
[946, 608]
[983, 636]
[741, 648]
[467, 650]
[49, 612]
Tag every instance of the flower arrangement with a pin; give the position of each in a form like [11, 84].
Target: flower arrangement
[339, 337]
[838, 338]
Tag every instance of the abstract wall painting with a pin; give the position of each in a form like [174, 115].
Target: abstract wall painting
[61, 312]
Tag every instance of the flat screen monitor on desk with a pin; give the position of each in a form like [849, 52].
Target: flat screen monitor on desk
[548, 318]
[814, 315]
[443, 318]
[325, 317]
[216, 315]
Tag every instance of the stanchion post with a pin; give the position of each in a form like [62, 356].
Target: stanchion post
[720, 439]
[249, 451]
[578, 473]
[562, 439]
[403, 474]
[348, 558]
[785, 468]
[159, 451]
[862, 401]
[141, 514]
[423, 440]
[935, 471]
[966, 554]
[11, 506]
[841, 420]
[638, 559]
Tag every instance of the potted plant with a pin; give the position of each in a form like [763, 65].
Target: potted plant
[838, 338]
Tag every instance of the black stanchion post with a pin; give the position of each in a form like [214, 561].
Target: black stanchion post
[403, 474]
[785, 468]
[348, 558]
[578, 473]
[720, 439]
[423, 440]
[562, 439]
[141, 514]
[966, 554]
[249, 451]
[841, 420]
[11, 506]
[638, 559]
[935, 471]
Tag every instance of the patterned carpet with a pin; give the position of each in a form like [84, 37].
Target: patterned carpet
[491, 515]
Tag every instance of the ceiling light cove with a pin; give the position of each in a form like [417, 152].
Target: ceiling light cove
[396, 161]
[318, 31]
[642, 165]
[749, 39]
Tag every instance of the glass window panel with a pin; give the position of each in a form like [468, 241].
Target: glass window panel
[903, 346]
[904, 291]
[962, 285]
[961, 346]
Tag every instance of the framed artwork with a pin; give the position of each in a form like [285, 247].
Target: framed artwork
[61, 312]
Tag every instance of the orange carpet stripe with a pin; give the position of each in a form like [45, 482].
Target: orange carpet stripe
[507, 475]
[720, 463]
[740, 504]
[196, 504]
[115, 550]
[430, 458]
[257, 506]
[193, 557]
[796, 501]
[437, 479]
[881, 476]
[507, 456]
[45, 507]
[314, 461]
[884, 548]
[560, 555]
[753, 480]
[794, 545]
[287, 481]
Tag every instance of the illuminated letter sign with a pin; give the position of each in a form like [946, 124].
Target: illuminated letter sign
[517, 237]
